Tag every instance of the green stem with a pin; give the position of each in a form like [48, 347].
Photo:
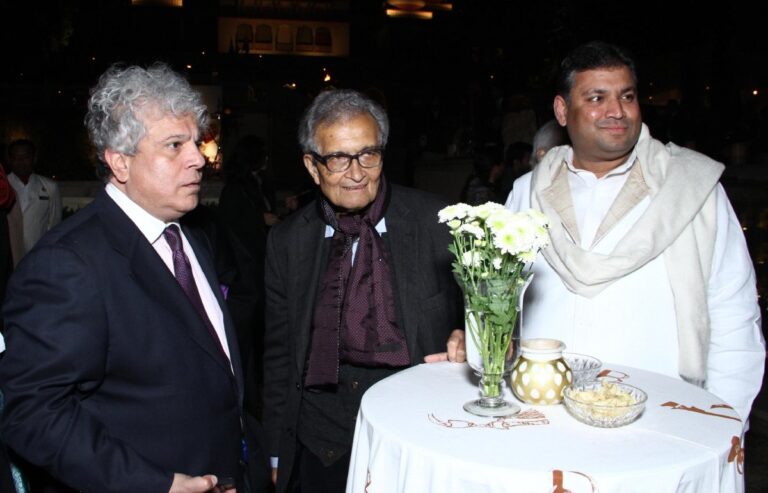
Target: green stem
[492, 340]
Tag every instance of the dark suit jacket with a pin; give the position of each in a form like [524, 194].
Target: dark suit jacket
[426, 293]
[112, 381]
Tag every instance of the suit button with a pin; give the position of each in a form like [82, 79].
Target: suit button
[354, 384]
[298, 386]
[330, 454]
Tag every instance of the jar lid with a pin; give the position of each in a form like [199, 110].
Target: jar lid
[542, 346]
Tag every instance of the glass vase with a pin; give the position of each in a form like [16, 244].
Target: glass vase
[493, 320]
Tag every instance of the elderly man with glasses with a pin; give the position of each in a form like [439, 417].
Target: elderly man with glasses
[358, 287]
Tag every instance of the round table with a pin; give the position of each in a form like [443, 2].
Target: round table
[412, 435]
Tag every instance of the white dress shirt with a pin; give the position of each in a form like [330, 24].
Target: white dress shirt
[152, 229]
[381, 228]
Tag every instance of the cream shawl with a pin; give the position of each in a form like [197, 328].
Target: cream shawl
[679, 222]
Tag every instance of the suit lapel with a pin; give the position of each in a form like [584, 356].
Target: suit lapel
[152, 276]
[310, 259]
[403, 237]
[202, 253]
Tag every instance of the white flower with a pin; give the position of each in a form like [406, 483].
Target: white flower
[485, 210]
[521, 232]
[456, 211]
[499, 219]
[474, 229]
[470, 259]
[491, 242]
[506, 241]
[538, 217]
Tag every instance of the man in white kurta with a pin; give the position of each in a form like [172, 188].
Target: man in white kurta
[648, 266]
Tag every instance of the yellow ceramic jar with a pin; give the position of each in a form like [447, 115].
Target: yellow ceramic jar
[540, 373]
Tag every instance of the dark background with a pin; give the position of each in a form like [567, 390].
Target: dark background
[473, 63]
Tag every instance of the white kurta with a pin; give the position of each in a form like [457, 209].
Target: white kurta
[632, 322]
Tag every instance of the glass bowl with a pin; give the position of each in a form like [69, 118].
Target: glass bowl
[602, 414]
[585, 368]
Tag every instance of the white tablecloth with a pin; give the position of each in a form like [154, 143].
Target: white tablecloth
[412, 435]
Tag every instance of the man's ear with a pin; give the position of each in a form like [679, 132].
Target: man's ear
[312, 168]
[561, 110]
[118, 163]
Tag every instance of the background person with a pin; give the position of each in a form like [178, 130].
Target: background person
[38, 196]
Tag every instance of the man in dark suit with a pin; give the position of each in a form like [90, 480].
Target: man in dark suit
[358, 286]
[122, 371]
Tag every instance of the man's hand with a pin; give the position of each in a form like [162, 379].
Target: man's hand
[274, 475]
[271, 219]
[198, 484]
[456, 350]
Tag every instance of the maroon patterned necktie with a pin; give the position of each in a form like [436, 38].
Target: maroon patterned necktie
[183, 272]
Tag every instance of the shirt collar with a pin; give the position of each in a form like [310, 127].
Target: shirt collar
[381, 228]
[150, 226]
[623, 168]
[15, 179]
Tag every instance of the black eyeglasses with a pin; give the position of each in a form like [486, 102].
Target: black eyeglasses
[340, 161]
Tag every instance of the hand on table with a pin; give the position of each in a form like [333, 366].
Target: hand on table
[456, 350]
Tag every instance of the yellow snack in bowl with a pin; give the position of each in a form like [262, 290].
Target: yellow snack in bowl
[607, 401]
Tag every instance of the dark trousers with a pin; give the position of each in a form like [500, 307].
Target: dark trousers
[6, 481]
[311, 476]
[258, 473]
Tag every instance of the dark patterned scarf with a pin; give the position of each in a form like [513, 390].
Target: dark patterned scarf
[355, 318]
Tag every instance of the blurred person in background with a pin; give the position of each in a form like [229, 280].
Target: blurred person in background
[38, 196]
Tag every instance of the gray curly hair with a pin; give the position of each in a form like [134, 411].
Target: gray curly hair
[337, 105]
[114, 118]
